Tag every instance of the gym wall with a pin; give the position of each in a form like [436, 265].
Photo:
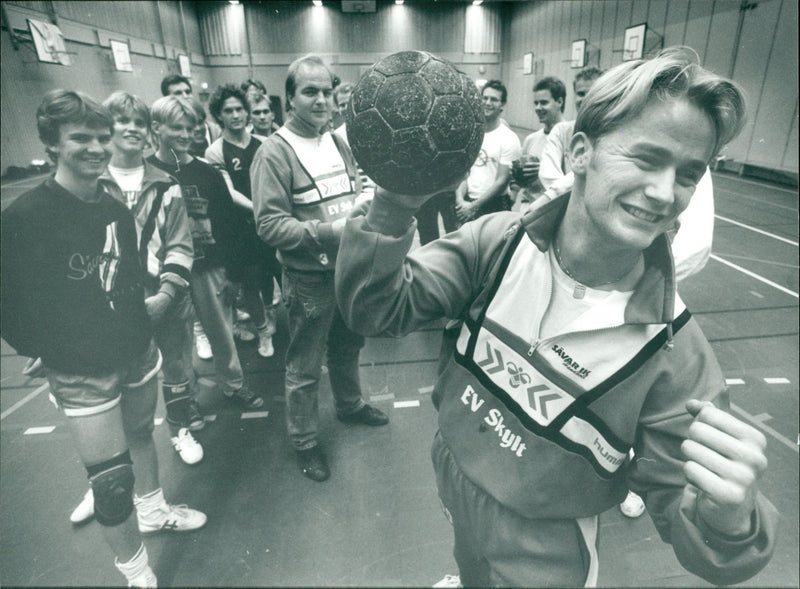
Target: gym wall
[753, 42]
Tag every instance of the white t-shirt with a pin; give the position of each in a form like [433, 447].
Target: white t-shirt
[500, 147]
[130, 181]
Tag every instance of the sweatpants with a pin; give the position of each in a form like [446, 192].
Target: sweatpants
[496, 547]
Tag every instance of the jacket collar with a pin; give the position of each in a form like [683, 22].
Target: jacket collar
[654, 298]
[152, 174]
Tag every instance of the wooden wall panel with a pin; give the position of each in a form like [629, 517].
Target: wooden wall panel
[121, 17]
[769, 131]
[698, 27]
[791, 155]
[675, 23]
[764, 63]
[721, 37]
[274, 27]
[752, 57]
[24, 80]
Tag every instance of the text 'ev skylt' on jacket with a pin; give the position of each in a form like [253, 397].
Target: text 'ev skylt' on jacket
[71, 283]
[544, 426]
[294, 209]
[164, 235]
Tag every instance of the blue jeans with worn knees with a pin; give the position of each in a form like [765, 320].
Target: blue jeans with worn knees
[216, 316]
[314, 322]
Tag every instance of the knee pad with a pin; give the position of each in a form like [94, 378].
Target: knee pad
[112, 485]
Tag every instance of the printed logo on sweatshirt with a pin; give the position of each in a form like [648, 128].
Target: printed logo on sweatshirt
[536, 395]
[104, 265]
[569, 363]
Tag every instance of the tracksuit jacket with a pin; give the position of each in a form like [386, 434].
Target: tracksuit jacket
[544, 426]
[293, 211]
[164, 235]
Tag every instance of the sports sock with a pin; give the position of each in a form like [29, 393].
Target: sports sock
[148, 503]
[136, 566]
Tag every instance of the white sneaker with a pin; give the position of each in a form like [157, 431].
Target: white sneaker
[203, 346]
[241, 333]
[633, 506]
[189, 449]
[85, 509]
[170, 518]
[265, 348]
[449, 581]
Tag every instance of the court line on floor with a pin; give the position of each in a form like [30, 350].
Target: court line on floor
[759, 183]
[754, 275]
[761, 201]
[762, 261]
[761, 231]
[23, 400]
[760, 425]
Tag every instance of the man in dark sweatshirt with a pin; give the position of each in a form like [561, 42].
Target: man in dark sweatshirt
[73, 295]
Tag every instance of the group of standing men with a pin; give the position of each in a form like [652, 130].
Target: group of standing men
[578, 294]
[107, 262]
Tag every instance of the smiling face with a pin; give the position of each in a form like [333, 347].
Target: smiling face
[175, 135]
[312, 101]
[582, 88]
[492, 102]
[233, 114]
[82, 152]
[547, 109]
[638, 178]
[130, 133]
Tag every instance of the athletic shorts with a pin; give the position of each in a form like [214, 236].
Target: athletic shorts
[81, 395]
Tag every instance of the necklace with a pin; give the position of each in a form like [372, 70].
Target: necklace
[580, 289]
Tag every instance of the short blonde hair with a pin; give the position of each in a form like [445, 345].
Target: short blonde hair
[121, 103]
[625, 90]
[169, 109]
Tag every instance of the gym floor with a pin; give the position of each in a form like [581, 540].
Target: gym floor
[377, 521]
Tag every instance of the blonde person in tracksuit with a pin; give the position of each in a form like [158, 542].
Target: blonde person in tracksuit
[576, 347]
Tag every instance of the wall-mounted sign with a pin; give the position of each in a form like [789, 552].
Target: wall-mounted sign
[49, 42]
[527, 64]
[578, 56]
[122, 56]
[185, 65]
[634, 42]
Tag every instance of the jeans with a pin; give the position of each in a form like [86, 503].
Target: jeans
[216, 316]
[314, 322]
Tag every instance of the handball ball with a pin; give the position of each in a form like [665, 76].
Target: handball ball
[414, 123]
